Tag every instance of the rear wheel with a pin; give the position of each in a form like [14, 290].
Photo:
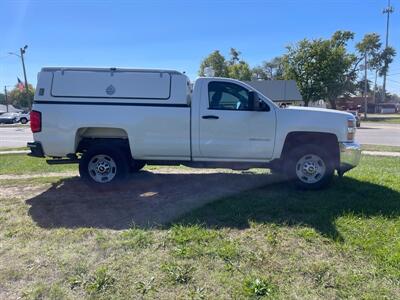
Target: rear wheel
[24, 120]
[309, 167]
[103, 165]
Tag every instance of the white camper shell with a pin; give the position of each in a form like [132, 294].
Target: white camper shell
[113, 85]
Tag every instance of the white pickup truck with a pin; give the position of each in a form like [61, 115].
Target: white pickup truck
[112, 121]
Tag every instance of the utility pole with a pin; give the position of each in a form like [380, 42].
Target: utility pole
[21, 56]
[365, 86]
[5, 97]
[388, 10]
[22, 51]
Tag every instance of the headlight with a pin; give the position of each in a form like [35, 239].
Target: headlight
[351, 129]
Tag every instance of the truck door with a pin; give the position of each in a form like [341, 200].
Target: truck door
[229, 129]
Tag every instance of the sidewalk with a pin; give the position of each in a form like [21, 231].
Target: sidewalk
[14, 152]
[381, 153]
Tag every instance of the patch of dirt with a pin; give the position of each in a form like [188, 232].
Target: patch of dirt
[146, 199]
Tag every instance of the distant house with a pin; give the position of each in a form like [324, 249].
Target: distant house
[3, 109]
[279, 91]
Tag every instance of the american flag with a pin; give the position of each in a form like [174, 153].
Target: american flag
[20, 85]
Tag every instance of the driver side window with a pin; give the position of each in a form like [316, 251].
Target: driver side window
[227, 96]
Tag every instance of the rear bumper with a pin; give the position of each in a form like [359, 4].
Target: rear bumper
[36, 149]
[350, 154]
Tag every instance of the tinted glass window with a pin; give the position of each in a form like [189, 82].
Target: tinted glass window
[227, 95]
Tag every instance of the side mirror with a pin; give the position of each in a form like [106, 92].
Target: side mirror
[256, 104]
[254, 101]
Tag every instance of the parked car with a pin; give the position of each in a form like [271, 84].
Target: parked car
[108, 120]
[24, 117]
[356, 114]
[9, 118]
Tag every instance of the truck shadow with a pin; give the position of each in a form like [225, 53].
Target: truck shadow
[214, 200]
[146, 199]
[282, 205]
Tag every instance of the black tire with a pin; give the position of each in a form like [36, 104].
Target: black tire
[309, 167]
[115, 158]
[136, 166]
[23, 120]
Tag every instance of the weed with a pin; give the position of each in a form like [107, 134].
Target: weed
[197, 293]
[227, 250]
[136, 238]
[192, 240]
[309, 234]
[144, 287]
[42, 291]
[178, 273]
[258, 287]
[321, 274]
[100, 281]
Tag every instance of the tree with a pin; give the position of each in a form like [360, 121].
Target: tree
[386, 56]
[240, 71]
[369, 51]
[2, 99]
[217, 62]
[323, 69]
[234, 56]
[337, 68]
[301, 63]
[269, 70]
[21, 98]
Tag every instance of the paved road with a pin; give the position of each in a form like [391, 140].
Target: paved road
[369, 133]
[15, 136]
[379, 134]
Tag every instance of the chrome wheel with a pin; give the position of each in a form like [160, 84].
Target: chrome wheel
[102, 168]
[310, 168]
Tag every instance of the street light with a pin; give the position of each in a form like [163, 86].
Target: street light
[21, 56]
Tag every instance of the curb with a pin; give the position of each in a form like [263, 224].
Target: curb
[15, 152]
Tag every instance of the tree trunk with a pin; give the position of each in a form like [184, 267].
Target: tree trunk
[332, 102]
[306, 102]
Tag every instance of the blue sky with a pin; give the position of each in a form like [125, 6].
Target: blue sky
[175, 34]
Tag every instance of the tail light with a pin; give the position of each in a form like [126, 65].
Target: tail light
[36, 121]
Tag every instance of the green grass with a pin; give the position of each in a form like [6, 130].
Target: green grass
[24, 164]
[13, 148]
[17, 164]
[381, 148]
[382, 118]
[270, 243]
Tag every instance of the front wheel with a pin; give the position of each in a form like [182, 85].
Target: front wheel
[309, 167]
[103, 165]
[24, 120]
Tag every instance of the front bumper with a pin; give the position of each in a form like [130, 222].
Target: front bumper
[36, 149]
[350, 154]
